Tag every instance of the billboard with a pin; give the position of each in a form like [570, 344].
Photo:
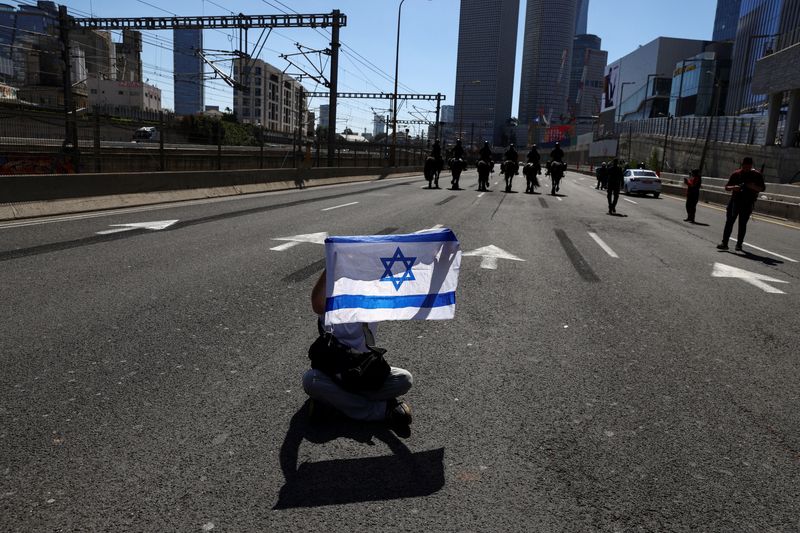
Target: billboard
[610, 85]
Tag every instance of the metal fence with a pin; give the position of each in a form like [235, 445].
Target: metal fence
[749, 130]
[101, 143]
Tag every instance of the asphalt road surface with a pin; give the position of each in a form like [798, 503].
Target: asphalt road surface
[623, 375]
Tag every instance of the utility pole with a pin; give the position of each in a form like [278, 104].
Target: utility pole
[714, 111]
[438, 112]
[63, 21]
[334, 85]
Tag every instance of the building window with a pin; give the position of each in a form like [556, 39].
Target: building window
[246, 102]
[258, 71]
[121, 92]
[94, 91]
[258, 92]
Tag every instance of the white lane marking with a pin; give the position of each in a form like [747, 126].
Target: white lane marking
[437, 226]
[294, 240]
[489, 256]
[481, 194]
[559, 199]
[338, 206]
[153, 226]
[603, 245]
[631, 201]
[771, 253]
[754, 279]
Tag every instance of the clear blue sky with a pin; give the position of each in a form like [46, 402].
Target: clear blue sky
[428, 43]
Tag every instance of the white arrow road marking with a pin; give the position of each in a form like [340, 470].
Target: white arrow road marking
[154, 226]
[754, 279]
[437, 226]
[603, 245]
[338, 206]
[489, 256]
[770, 253]
[294, 240]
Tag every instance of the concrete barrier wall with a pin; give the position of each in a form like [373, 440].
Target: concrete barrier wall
[44, 195]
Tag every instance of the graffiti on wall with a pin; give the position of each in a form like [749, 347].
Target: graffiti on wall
[13, 164]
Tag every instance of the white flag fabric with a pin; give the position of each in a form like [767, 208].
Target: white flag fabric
[373, 278]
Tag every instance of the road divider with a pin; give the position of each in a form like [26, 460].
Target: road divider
[28, 196]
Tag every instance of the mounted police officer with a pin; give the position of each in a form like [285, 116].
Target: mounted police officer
[512, 155]
[486, 152]
[533, 156]
[557, 154]
[458, 150]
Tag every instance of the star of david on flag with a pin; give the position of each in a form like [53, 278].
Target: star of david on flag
[388, 264]
[373, 278]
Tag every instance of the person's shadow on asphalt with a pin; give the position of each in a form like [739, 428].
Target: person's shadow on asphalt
[401, 475]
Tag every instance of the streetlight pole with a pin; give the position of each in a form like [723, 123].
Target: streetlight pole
[394, 100]
[714, 111]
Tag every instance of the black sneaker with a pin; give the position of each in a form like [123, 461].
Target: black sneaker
[398, 413]
[738, 248]
[722, 246]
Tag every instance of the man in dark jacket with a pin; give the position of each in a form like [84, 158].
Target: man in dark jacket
[533, 156]
[615, 180]
[486, 152]
[458, 150]
[557, 154]
[745, 184]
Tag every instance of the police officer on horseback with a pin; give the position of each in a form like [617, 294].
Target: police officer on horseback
[458, 150]
[512, 155]
[486, 152]
[533, 156]
[557, 154]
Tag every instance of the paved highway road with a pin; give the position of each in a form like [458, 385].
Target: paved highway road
[623, 375]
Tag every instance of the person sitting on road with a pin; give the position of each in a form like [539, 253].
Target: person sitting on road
[557, 154]
[334, 353]
[458, 150]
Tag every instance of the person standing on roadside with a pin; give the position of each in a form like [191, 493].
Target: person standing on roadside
[693, 184]
[745, 184]
[615, 177]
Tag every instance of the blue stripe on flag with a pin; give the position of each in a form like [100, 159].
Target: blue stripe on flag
[439, 236]
[350, 301]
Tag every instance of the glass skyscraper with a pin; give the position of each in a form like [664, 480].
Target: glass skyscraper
[487, 43]
[726, 20]
[546, 61]
[582, 17]
[756, 36]
[188, 72]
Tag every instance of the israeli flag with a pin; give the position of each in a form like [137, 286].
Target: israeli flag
[392, 277]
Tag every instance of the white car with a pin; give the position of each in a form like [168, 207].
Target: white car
[642, 182]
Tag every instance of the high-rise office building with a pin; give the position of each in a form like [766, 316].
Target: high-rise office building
[487, 42]
[378, 125]
[582, 17]
[726, 20]
[756, 33]
[188, 71]
[586, 81]
[546, 61]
